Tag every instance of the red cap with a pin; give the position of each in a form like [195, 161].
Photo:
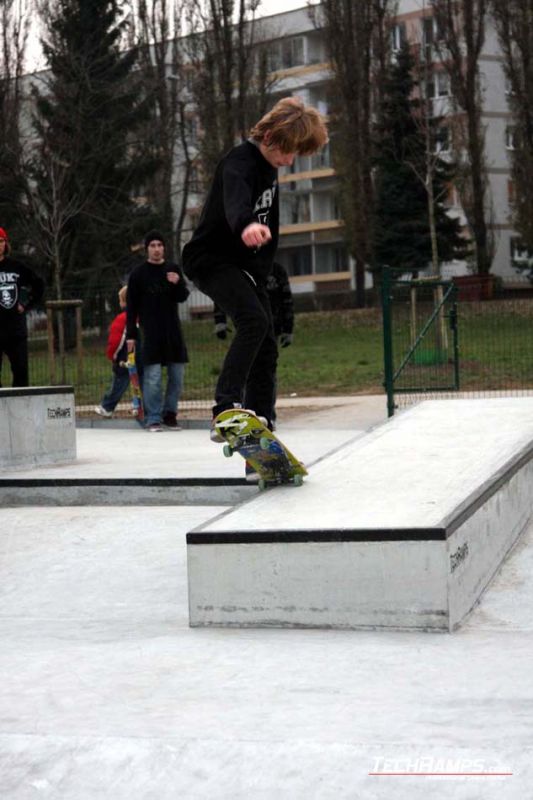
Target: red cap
[3, 235]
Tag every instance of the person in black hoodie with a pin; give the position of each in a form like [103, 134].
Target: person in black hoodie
[20, 289]
[154, 289]
[232, 250]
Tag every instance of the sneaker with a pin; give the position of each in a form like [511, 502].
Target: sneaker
[216, 437]
[213, 434]
[102, 412]
[170, 421]
[250, 474]
[155, 427]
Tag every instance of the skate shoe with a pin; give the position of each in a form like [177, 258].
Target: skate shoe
[250, 475]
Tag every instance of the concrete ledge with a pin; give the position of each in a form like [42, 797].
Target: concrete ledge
[468, 479]
[123, 423]
[125, 491]
[37, 426]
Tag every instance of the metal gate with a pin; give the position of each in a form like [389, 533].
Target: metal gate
[420, 336]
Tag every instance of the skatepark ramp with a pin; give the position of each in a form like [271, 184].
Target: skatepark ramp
[37, 426]
[403, 528]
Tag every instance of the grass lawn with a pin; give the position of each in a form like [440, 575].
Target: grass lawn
[339, 353]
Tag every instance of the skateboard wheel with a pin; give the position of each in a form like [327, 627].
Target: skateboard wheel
[298, 480]
[264, 442]
[227, 450]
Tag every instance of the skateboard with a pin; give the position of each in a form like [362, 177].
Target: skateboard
[245, 434]
[136, 396]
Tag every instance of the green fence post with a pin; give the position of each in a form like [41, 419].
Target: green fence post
[387, 338]
[455, 329]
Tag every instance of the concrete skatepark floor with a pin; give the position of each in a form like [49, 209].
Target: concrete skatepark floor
[107, 693]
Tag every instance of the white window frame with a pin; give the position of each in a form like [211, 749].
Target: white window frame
[511, 134]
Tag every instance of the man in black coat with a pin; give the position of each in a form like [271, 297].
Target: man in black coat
[20, 289]
[155, 287]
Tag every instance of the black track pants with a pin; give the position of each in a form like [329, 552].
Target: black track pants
[17, 352]
[249, 369]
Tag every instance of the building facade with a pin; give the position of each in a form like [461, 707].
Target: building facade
[312, 240]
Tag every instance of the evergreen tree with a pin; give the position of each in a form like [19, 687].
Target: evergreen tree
[401, 230]
[89, 162]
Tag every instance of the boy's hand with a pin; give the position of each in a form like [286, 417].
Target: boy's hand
[173, 277]
[256, 235]
[221, 330]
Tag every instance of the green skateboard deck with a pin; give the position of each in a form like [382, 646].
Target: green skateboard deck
[245, 434]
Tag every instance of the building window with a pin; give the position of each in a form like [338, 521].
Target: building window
[438, 85]
[295, 209]
[322, 159]
[430, 38]
[331, 258]
[300, 164]
[296, 260]
[191, 130]
[397, 37]
[442, 140]
[195, 180]
[511, 137]
[520, 255]
[430, 31]
[286, 53]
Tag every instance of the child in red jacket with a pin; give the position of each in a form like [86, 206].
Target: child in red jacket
[116, 352]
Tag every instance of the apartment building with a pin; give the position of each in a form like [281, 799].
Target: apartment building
[312, 241]
[415, 24]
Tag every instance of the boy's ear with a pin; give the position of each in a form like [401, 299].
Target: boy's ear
[267, 138]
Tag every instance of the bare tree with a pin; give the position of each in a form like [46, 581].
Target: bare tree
[14, 22]
[166, 81]
[431, 126]
[357, 41]
[51, 205]
[231, 83]
[461, 26]
[514, 26]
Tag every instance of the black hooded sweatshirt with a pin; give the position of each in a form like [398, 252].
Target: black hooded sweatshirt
[244, 190]
[18, 284]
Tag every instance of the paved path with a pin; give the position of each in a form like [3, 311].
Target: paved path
[105, 692]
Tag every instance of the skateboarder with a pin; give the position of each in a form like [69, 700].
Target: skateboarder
[20, 289]
[231, 252]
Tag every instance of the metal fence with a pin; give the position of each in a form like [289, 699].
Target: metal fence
[335, 351]
[462, 341]
[73, 351]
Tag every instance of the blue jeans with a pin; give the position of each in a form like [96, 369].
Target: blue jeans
[121, 379]
[155, 405]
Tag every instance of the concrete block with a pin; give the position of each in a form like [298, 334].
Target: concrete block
[38, 426]
[401, 529]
